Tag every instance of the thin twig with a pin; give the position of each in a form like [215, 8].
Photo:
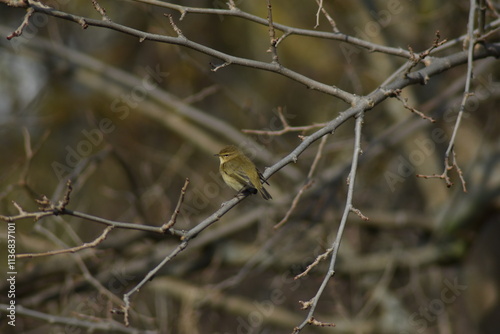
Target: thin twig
[24, 24]
[415, 60]
[86, 245]
[100, 10]
[397, 94]
[359, 214]
[328, 17]
[215, 68]
[316, 261]
[81, 265]
[177, 210]
[330, 20]
[492, 8]
[450, 151]
[174, 26]
[49, 209]
[272, 34]
[320, 7]
[286, 127]
[65, 201]
[288, 30]
[445, 176]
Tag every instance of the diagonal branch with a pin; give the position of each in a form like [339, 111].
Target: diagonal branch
[23, 25]
[313, 303]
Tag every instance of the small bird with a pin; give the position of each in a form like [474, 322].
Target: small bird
[240, 173]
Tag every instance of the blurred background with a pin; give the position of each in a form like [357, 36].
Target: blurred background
[128, 121]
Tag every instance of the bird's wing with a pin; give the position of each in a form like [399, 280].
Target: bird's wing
[261, 177]
[242, 178]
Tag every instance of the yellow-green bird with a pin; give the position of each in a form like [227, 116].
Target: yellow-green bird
[240, 173]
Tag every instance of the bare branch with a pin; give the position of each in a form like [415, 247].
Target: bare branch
[450, 151]
[172, 220]
[397, 94]
[181, 40]
[347, 209]
[81, 265]
[359, 213]
[49, 209]
[415, 60]
[286, 127]
[174, 26]
[100, 10]
[215, 68]
[24, 24]
[86, 245]
[447, 168]
[315, 322]
[272, 34]
[316, 261]
[328, 17]
[287, 30]
[320, 7]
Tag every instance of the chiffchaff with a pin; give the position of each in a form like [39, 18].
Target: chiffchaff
[240, 173]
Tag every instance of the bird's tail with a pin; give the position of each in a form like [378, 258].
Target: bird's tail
[264, 193]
